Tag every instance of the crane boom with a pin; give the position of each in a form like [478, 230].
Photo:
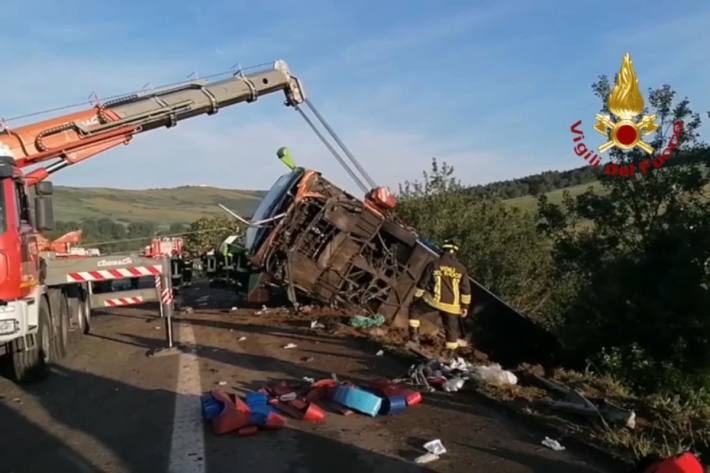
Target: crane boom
[72, 138]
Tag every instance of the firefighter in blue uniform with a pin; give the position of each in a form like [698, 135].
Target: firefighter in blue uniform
[444, 288]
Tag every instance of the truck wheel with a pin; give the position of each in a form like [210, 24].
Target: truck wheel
[78, 315]
[33, 364]
[60, 341]
[85, 312]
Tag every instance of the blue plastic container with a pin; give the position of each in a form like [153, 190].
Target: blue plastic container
[211, 408]
[358, 400]
[393, 405]
[256, 399]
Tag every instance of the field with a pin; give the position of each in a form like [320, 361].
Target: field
[188, 203]
[162, 206]
[529, 202]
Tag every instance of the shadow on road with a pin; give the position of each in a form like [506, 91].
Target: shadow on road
[25, 445]
[131, 423]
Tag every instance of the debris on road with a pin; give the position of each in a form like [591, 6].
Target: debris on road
[363, 321]
[221, 383]
[234, 308]
[380, 353]
[426, 458]
[308, 380]
[315, 324]
[494, 374]
[435, 446]
[453, 385]
[552, 444]
[357, 399]
[289, 346]
[241, 339]
[228, 413]
[452, 376]
[287, 397]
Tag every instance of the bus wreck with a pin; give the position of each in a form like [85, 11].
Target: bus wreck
[320, 243]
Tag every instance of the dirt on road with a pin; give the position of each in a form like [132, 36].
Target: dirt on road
[108, 407]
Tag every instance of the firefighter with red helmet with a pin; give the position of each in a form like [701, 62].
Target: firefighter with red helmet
[444, 288]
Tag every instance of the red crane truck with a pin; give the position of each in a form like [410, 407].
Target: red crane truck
[44, 295]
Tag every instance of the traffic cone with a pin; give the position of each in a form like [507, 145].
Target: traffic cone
[314, 413]
[235, 414]
[248, 431]
[274, 421]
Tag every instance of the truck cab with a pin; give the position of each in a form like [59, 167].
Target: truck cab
[25, 323]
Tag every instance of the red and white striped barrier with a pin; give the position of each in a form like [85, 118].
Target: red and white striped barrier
[166, 295]
[121, 273]
[119, 301]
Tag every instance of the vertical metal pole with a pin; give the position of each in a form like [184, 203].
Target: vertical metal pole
[167, 285]
[90, 293]
[158, 284]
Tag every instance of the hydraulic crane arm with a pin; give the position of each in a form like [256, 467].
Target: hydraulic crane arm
[72, 138]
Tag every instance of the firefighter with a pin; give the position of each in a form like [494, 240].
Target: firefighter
[444, 288]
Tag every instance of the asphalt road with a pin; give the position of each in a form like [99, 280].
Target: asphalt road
[107, 407]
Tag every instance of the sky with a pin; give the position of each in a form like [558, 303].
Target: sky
[489, 87]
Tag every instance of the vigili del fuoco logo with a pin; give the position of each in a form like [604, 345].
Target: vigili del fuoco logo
[624, 130]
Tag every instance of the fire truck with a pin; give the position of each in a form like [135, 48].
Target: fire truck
[46, 294]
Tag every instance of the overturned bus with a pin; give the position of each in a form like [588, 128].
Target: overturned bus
[321, 243]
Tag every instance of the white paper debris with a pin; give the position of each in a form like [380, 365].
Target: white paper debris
[308, 380]
[380, 353]
[435, 446]
[453, 385]
[289, 346]
[553, 444]
[426, 458]
[222, 383]
[631, 421]
[241, 339]
[494, 374]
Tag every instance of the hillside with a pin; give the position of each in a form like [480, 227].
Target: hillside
[161, 206]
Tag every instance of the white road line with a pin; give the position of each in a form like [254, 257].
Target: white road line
[187, 446]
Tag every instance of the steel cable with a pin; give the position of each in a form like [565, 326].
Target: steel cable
[333, 151]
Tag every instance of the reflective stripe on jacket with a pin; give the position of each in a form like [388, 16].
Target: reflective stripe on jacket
[444, 285]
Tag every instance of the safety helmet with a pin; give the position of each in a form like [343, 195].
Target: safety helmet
[450, 245]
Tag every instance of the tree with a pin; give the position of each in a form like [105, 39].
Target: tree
[176, 228]
[635, 254]
[207, 233]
